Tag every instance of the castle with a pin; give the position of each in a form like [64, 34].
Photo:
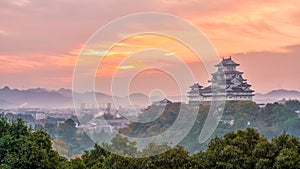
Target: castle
[226, 84]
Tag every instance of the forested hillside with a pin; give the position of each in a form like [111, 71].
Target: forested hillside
[21, 147]
[270, 121]
[247, 137]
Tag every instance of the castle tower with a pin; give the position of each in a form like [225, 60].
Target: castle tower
[226, 77]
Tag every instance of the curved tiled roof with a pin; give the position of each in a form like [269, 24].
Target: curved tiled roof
[227, 62]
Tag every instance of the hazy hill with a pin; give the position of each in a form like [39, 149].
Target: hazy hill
[64, 92]
[62, 98]
[4, 103]
[34, 98]
[276, 95]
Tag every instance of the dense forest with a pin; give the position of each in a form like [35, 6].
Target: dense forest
[247, 137]
[271, 120]
[21, 147]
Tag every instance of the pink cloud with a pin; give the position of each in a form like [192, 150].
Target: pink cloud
[43, 38]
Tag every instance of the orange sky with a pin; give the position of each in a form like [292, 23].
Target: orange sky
[40, 41]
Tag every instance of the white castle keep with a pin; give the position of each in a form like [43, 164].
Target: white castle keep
[227, 78]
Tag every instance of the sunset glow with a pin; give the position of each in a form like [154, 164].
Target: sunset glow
[41, 40]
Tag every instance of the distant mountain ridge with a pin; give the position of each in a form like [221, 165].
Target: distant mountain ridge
[276, 95]
[37, 97]
[282, 93]
[62, 98]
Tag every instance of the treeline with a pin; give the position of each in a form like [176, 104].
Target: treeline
[67, 139]
[21, 147]
[271, 120]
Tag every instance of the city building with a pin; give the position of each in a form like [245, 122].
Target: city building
[227, 83]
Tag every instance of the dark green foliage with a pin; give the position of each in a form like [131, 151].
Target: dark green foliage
[21, 147]
[276, 114]
[158, 125]
[234, 150]
[270, 121]
[51, 129]
[293, 104]
[247, 149]
[244, 113]
[243, 149]
[101, 158]
[67, 131]
[77, 163]
[276, 118]
[95, 157]
[76, 142]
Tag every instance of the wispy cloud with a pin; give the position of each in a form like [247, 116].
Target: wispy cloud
[91, 52]
[12, 64]
[20, 2]
[170, 54]
[3, 32]
[126, 67]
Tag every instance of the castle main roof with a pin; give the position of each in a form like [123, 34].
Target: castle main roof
[227, 62]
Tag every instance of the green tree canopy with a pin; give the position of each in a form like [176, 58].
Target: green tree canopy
[21, 147]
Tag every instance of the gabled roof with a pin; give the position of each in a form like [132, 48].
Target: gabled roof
[248, 90]
[206, 90]
[229, 89]
[196, 86]
[244, 85]
[238, 89]
[227, 62]
[165, 101]
[241, 77]
[228, 82]
[233, 72]
[237, 79]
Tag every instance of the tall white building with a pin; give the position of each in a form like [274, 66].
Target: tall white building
[226, 84]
